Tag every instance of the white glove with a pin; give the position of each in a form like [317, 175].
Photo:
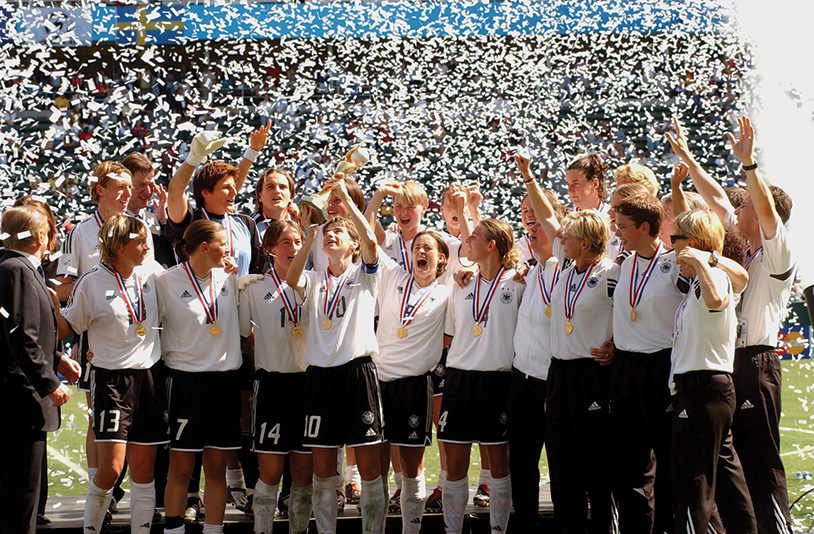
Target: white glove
[203, 144]
[247, 279]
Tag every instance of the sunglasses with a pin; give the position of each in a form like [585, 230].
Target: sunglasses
[676, 237]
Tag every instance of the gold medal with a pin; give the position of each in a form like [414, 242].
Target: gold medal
[477, 330]
[569, 327]
[548, 311]
[297, 331]
[401, 333]
[633, 316]
[326, 324]
[214, 330]
[140, 330]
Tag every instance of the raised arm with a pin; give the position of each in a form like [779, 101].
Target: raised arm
[458, 201]
[370, 248]
[295, 270]
[759, 192]
[203, 144]
[257, 140]
[710, 190]
[680, 174]
[375, 204]
[539, 203]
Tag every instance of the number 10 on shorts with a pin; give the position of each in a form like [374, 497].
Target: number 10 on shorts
[312, 426]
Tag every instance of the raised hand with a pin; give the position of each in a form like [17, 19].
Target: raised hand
[203, 144]
[742, 147]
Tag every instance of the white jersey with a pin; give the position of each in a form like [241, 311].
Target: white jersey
[523, 247]
[493, 349]
[401, 251]
[80, 250]
[186, 335]
[658, 300]
[98, 306]
[592, 317]
[771, 277]
[351, 332]
[276, 349]
[705, 338]
[532, 337]
[420, 351]
[152, 225]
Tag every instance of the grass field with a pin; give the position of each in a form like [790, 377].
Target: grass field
[68, 476]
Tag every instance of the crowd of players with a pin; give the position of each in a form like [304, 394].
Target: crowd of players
[633, 336]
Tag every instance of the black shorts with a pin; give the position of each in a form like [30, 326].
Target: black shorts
[278, 412]
[407, 404]
[343, 405]
[474, 407]
[82, 357]
[439, 373]
[128, 407]
[204, 410]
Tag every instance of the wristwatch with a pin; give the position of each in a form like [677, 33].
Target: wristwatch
[714, 257]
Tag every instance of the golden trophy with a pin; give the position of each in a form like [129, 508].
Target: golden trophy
[356, 157]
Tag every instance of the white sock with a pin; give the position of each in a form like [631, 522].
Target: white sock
[234, 478]
[500, 502]
[340, 460]
[212, 529]
[92, 473]
[325, 504]
[299, 507]
[176, 530]
[442, 479]
[352, 475]
[373, 506]
[96, 504]
[485, 478]
[413, 495]
[264, 506]
[397, 478]
[142, 506]
[456, 493]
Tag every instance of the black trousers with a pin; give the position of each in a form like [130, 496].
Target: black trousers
[527, 432]
[21, 460]
[641, 421]
[579, 447]
[756, 435]
[704, 464]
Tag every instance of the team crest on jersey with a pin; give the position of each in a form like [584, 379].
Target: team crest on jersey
[367, 417]
[413, 421]
[224, 290]
[400, 290]
[666, 267]
[593, 281]
[145, 288]
[505, 297]
[503, 418]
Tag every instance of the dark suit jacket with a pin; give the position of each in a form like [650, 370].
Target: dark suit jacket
[29, 348]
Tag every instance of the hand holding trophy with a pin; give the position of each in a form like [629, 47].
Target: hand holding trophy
[357, 157]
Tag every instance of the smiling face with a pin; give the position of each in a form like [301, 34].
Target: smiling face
[478, 244]
[630, 235]
[134, 252]
[287, 246]
[215, 252]
[408, 217]
[275, 195]
[143, 189]
[338, 242]
[584, 194]
[426, 256]
[336, 208]
[221, 199]
[573, 248]
[115, 196]
[527, 216]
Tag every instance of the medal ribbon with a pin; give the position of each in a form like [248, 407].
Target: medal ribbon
[750, 258]
[98, 219]
[292, 310]
[138, 317]
[480, 315]
[636, 293]
[329, 306]
[227, 223]
[541, 283]
[405, 255]
[569, 306]
[211, 307]
[407, 318]
[678, 324]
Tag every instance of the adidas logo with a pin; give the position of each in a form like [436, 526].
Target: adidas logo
[670, 409]
[110, 297]
[747, 404]
[416, 521]
[470, 296]
[594, 407]
[268, 296]
[683, 415]
[497, 528]
[186, 295]
[413, 436]
[370, 433]
[145, 525]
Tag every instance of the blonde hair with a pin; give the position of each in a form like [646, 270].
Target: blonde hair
[633, 173]
[413, 194]
[117, 232]
[502, 234]
[22, 219]
[588, 225]
[346, 223]
[703, 227]
[106, 172]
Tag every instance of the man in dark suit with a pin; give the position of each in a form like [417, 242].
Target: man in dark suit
[30, 392]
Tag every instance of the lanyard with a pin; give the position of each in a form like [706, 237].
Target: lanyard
[211, 307]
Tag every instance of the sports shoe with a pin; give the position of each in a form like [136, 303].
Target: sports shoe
[340, 501]
[118, 495]
[249, 509]
[282, 506]
[353, 493]
[237, 497]
[195, 510]
[434, 503]
[481, 497]
[395, 502]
